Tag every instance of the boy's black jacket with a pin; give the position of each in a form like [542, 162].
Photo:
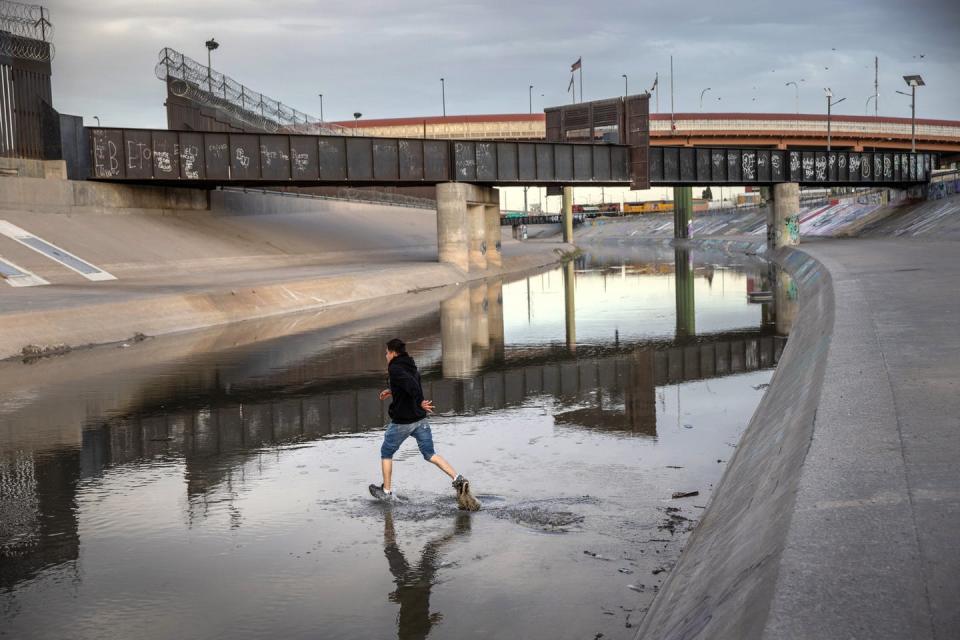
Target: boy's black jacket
[406, 391]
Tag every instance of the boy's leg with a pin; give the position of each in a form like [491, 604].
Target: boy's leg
[443, 465]
[424, 439]
[392, 439]
[386, 465]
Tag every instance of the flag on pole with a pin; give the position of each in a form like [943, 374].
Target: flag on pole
[655, 81]
[570, 86]
[576, 65]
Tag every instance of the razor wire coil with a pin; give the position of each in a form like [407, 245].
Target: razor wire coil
[207, 87]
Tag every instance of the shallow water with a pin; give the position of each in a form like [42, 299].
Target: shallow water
[158, 492]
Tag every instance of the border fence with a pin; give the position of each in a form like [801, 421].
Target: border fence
[29, 128]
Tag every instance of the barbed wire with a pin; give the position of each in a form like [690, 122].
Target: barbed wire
[25, 20]
[195, 81]
[25, 48]
[25, 31]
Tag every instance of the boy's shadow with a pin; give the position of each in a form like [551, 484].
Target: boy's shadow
[415, 582]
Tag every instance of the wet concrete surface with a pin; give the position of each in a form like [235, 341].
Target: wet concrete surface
[223, 493]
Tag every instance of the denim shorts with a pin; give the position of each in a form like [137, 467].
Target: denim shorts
[397, 433]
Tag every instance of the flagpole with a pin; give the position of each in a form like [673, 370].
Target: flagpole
[671, 95]
[656, 86]
[581, 79]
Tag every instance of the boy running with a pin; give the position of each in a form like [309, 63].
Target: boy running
[408, 417]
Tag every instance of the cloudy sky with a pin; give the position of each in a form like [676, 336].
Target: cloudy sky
[386, 58]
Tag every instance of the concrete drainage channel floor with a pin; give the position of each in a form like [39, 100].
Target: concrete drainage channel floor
[225, 491]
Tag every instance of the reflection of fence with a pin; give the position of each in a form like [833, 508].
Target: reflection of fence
[350, 194]
[205, 87]
[26, 118]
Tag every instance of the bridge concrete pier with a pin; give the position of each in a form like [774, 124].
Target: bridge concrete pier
[492, 234]
[783, 218]
[682, 211]
[568, 214]
[477, 236]
[468, 226]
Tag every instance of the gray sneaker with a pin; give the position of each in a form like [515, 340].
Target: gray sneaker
[377, 492]
[458, 482]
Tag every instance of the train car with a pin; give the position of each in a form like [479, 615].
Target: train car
[661, 206]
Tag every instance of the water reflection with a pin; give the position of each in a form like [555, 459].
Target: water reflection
[483, 349]
[414, 582]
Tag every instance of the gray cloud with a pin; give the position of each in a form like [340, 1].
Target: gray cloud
[386, 58]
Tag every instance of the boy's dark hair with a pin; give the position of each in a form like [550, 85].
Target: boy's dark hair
[398, 346]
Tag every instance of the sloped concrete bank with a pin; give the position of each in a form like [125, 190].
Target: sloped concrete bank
[723, 584]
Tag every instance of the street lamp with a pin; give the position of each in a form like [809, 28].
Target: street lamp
[796, 91]
[626, 91]
[913, 82]
[97, 118]
[530, 92]
[866, 105]
[356, 124]
[321, 108]
[830, 103]
[211, 44]
[701, 97]
[443, 96]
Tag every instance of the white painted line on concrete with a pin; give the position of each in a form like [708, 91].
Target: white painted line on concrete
[55, 253]
[16, 276]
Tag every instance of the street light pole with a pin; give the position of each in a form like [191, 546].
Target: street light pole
[356, 121]
[443, 95]
[830, 103]
[626, 90]
[530, 95]
[321, 109]
[913, 82]
[701, 97]
[211, 44]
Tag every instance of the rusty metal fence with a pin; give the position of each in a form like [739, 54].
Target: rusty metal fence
[25, 54]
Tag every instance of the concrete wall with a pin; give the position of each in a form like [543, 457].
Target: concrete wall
[54, 195]
[723, 584]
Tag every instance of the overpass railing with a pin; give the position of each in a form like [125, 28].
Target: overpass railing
[213, 158]
[702, 166]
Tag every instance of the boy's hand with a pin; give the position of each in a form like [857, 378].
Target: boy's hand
[385, 394]
[427, 405]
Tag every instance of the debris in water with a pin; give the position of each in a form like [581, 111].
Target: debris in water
[685, 494]
[761, 386]
[635, 587]
[658, 570]
[595, 555]
[673, 466]
[688, 426]
[626, 571]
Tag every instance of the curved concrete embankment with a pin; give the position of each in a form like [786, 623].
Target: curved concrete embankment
[185, 260]
[723, 584]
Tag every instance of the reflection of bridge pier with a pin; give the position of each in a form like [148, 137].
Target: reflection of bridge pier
[479, 324]
[569, 304]
[471, 329]
[455, 335]
[495, 319]
[685, 299]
